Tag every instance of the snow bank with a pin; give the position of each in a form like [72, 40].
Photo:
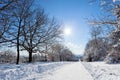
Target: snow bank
[102, 71]
[27, 71]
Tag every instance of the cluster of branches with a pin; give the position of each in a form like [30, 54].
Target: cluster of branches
[25, 27]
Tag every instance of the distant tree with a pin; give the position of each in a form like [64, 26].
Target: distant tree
[7, 56]
[56, 51]
[36, 57]
[61, 53]
[67, 55]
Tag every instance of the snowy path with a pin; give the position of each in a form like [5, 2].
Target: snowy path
[73, 71]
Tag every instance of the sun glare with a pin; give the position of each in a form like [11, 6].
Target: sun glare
[67, 31]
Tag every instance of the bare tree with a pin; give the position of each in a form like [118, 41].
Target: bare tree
[19, 16]
[28, 28]
[38, 31]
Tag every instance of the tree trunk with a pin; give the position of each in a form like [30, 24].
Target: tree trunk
[18, 53]
[45, 58]
[30, 56]
[60, 57]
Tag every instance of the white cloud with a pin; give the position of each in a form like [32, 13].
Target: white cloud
[75, 48]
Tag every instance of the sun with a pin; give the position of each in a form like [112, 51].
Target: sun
[67, 31]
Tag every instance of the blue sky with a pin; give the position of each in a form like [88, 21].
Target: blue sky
[73, 14]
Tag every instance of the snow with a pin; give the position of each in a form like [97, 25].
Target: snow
[60, 71]
[73, 71]
[27, 71]
[44, 71]
[103, 71]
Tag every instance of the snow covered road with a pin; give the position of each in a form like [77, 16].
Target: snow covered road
[73, 71]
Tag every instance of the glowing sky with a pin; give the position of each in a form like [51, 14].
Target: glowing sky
[73, 14]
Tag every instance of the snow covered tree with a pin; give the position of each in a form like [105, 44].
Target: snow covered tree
[114, 53]
[96, 48]
[67, 55]
[111, 19]
[95, 52]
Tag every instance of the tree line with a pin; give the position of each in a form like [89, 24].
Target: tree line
[27, 28]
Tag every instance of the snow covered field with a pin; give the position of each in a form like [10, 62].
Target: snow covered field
[60, 71]
[45, 71]
[102, 71]
[27, 71]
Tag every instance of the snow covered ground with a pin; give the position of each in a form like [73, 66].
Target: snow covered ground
[60, 71]
[45, 71]
[73, 71]
[27, 71]
[102, 71]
